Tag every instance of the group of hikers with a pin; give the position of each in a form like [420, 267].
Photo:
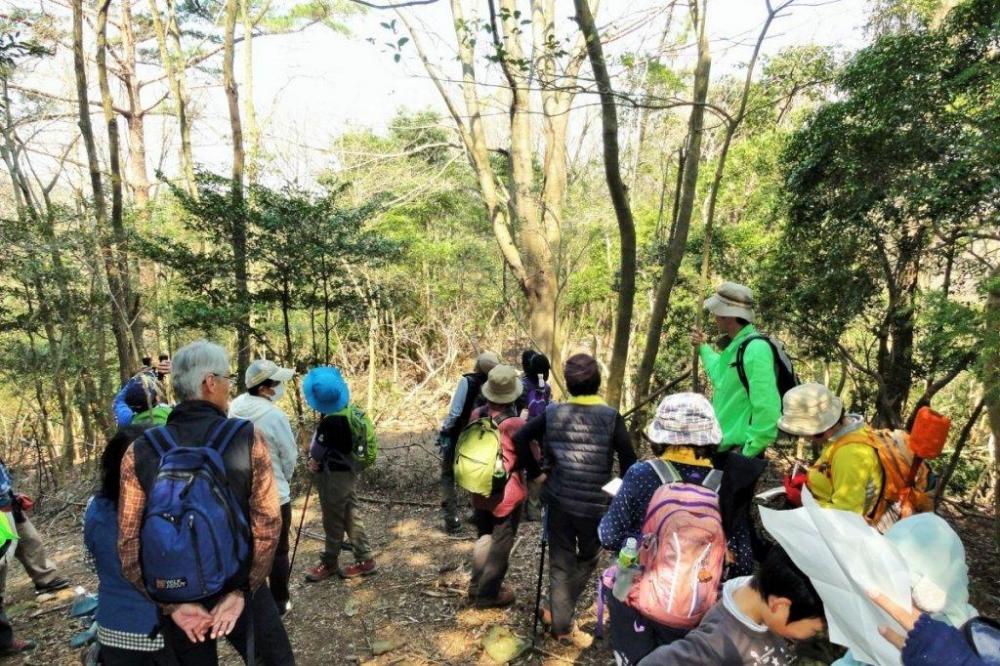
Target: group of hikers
[189, 529]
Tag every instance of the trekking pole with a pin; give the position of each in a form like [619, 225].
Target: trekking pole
[541, 568]
[298, 533]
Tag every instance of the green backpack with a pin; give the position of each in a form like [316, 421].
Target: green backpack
[479, 465]
[155, 416]
[364, 443]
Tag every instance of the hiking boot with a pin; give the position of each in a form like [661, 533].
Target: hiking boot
[52, 586]
[502, 600]
[366, 568]
[319, 573]
[18, 646]
[452, 525]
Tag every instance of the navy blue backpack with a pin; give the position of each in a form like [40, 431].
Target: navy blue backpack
[194, 536]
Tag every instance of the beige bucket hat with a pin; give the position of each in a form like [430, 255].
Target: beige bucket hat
[732, 300]
[503, 385]
[809, 409]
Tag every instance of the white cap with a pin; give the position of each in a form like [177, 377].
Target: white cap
[262, 370]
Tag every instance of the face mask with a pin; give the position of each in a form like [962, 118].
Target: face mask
[279, 391]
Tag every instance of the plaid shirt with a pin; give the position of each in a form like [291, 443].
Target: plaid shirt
[265, 517]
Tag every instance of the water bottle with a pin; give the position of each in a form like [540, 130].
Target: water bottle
[628, 565]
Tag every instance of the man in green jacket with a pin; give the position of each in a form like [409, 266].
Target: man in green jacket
[748, 415]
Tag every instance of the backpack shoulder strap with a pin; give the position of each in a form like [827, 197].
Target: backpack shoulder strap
[161, 440]
[224, 433]
[713, 481]
[667, 472]
[741, 352]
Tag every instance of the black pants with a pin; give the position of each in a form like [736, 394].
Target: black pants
[449, 497]
[278, 578]
[633, 636]
[6, 631]
[270, 638]
[573, 551]
[112, 656]
[491, 554]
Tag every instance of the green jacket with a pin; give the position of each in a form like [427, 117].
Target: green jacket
[748, 421]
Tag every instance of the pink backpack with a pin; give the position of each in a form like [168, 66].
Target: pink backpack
[682, 551]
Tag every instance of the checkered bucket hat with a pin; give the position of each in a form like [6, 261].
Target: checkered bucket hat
[685, 419]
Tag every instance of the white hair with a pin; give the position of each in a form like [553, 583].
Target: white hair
[192, 363]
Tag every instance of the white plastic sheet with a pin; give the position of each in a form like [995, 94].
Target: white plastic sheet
[844, 557]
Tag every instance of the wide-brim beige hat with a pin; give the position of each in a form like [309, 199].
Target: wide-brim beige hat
[503, 385]
[262, 370]
[732, 300]
[809, 409]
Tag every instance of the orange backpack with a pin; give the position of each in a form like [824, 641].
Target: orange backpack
[899, 496]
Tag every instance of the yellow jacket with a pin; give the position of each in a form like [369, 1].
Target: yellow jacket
[848, 474]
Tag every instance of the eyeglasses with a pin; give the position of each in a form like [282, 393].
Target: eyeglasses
[230, 377]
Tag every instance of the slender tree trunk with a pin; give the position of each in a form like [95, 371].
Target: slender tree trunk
[120, 324]
[963, 439]
[619, 198]
[675, 248]
[249, 107]
[720, 168]
[240, 223]
[128, 296]
[138, 180]
[991, 381]
[168, 39]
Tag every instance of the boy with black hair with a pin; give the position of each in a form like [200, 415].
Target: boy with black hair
[754, 623]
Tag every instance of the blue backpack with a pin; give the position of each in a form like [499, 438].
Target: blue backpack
[195, 537]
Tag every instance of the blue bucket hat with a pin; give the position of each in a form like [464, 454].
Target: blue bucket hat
[325, 390]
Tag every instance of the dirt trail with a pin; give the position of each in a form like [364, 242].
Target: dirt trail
[414, 608]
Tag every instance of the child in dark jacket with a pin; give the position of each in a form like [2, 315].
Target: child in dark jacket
[755, 622]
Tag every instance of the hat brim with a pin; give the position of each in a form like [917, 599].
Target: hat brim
[715, 305]
[808, 427]
[711, 437]
[503, 398]
[282, 375]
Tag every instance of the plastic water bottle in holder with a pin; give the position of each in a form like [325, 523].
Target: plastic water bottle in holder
[628, 565]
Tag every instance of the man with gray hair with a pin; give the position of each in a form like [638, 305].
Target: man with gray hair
[202, 383]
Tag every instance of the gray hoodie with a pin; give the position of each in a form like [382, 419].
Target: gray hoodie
[725, 637]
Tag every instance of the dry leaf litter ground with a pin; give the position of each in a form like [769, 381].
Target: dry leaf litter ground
[413, 611]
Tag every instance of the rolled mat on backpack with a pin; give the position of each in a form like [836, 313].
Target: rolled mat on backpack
[929, 433]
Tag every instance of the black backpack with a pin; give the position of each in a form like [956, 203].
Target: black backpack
[783, 370]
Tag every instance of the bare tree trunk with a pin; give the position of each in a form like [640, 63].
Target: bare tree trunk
[249, 108]
[675, 248]
[991, 382]
[732, 125]
[129, 297]
[120, 324]
[168, 39]
[239, 225]
[138, 180]
[619, 198]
